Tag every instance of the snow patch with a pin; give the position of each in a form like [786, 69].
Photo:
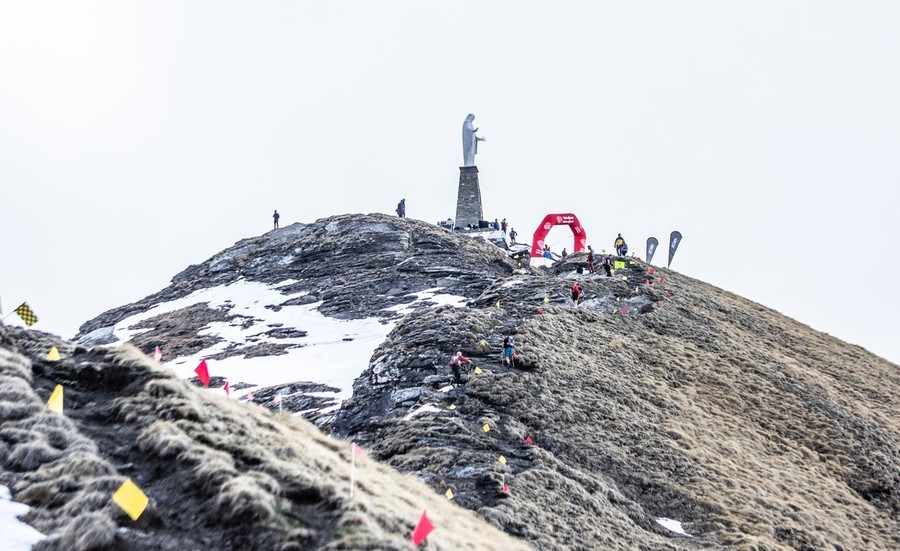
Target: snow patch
[428, 295]
[17, 536]
[511, 283]
[672, 525]
[427, 408]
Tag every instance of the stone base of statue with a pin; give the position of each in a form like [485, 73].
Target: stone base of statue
[468, 201]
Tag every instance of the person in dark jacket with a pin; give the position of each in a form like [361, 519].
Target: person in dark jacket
[275, 217]
[509, 347]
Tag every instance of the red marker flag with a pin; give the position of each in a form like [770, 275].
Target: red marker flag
[666, 293]
[203, 373]
[422, 529]
[528, 440]
[157, 354]
[651, 271]
[227, 389]
[506, 488]
[624, 309]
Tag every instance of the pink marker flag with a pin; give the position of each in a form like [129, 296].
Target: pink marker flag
[666, 293]
[227, 389]
[624, 310]
[422, 529]
[358, 451]
[528, 440]
[157, 354]
[277, 398]
[506, 488]
[203, 373]
[662, 279]
[651, 271]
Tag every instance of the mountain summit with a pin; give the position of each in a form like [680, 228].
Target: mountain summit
[659, 413]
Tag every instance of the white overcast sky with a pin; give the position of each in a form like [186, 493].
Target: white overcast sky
[137, 138]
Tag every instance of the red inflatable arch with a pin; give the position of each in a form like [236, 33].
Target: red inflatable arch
[568, 219]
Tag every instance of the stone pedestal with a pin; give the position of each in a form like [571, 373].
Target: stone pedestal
[468, 201]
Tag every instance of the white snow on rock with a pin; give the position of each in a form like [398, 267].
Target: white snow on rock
[16, 535]
[428, 295]
[672, 525]
[512, 282]
[427, 408]
[334, 352]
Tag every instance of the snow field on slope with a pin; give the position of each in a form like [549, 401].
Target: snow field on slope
[334, 352]
[16, 535]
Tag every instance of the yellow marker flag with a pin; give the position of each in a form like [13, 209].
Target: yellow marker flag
[477, 370]
[619, 265]
[55, 403]
[546, 299]
[498, 304]
[624, 278]
[131, 499]
[449, 494]
[53, 355]
[486, 427]
[502, 459]
[27, 314]
[452, 406]
[618, 299]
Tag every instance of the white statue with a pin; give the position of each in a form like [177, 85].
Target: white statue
[470, 141]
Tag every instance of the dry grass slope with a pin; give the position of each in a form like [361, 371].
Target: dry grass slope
[220, 474]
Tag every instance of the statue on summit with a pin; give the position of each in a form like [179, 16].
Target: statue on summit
[470, 141]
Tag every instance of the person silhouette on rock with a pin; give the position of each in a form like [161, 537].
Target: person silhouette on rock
[275, 217]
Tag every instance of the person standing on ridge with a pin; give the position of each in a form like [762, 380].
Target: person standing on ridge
[456, 363]
[503, 225]
[590, 259]
[621, 247]
[401, 208]
[564, 253]
[509, 346]
[275, 217]
[607, 265]
[576, 294]
[512, 235]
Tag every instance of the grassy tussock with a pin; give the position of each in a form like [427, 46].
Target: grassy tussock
[14, 367]
[283, 474]
[242, 499]
[86, 532]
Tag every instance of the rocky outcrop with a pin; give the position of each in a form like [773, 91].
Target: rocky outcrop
[658, 396]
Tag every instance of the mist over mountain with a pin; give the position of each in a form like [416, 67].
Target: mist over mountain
[658, 400]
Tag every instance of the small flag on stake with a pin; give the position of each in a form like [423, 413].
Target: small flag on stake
[506, 488]
[486, 427]
[131, 499]
[624, 278]
[477, 370]
[157, 354]
[227, 389]
[203, 373]
[53, 355]
[422, 529]
[651, 271]
[541, 310]
[452, 406]
[498, 304]
[666, 293]
[528, 440]
[624, 310]
[27, 314]
[662, 279]
[358, 451]
[55, 403]
[502, 459]
[449, 494]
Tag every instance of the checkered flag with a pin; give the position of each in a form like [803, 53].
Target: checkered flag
[27, 314]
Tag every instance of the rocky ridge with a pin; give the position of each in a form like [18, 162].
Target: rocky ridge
[659, 396]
